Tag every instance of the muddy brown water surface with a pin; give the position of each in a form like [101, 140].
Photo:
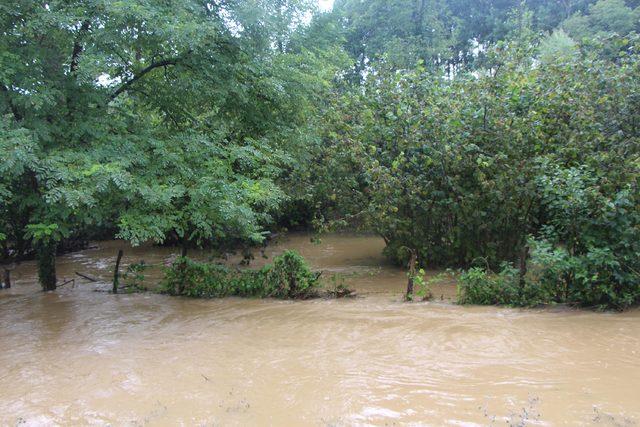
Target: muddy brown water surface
[78, 356]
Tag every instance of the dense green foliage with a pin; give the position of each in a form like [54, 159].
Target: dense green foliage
[604, 18]
[540, 141]
[159, 120]
[459, 130]
[476, 286]
[466, 176]
[289, 277]
[445, 33]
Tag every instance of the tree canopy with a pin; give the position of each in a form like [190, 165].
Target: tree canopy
[460, 131]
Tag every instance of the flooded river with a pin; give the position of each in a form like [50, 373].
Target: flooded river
[78, 356]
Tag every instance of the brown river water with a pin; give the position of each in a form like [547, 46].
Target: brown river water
[80, 356]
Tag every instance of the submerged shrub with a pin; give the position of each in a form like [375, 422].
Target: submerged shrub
[597, 277]
[289, 277]
[477, 286]
[588, 254]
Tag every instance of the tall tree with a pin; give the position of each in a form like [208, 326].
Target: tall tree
[153, 115]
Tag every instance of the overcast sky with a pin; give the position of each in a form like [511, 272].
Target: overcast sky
[325, 4]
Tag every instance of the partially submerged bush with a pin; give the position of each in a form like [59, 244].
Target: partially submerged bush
[587, 252]
[602, 277]
[596, 278]
[337, 288]
[477, 286]
[289, 277]
[422, 286]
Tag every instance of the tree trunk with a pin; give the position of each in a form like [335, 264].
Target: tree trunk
[116, 272]
[183, 268]
[412, 272]
[7, 278]
[47, 266]
[523, 264]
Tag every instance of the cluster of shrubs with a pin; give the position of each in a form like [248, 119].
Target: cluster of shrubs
[482, 287]
[289, 277]
[597, 278]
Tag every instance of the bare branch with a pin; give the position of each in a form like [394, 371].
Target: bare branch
[141, 74]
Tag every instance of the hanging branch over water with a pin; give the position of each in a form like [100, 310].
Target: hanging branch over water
[141, 74]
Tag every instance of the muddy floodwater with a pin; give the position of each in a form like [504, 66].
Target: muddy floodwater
[80, 356]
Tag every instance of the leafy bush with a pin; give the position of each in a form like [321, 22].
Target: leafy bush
[587, 254]
[477, 286]
[289, 277]
[422, 287]
[599, 277]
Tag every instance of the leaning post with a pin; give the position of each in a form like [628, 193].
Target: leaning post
[116, 272]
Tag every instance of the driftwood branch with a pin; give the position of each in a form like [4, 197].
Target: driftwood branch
[89, 278]
[66, 282]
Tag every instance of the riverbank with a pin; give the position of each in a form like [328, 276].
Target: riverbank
[356, 258]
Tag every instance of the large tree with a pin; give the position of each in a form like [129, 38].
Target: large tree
[163, 118]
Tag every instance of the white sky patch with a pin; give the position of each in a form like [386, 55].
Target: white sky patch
[325, 5]
[105, 80]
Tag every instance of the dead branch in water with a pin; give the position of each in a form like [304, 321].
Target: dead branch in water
[89, 278]
[66, 282]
